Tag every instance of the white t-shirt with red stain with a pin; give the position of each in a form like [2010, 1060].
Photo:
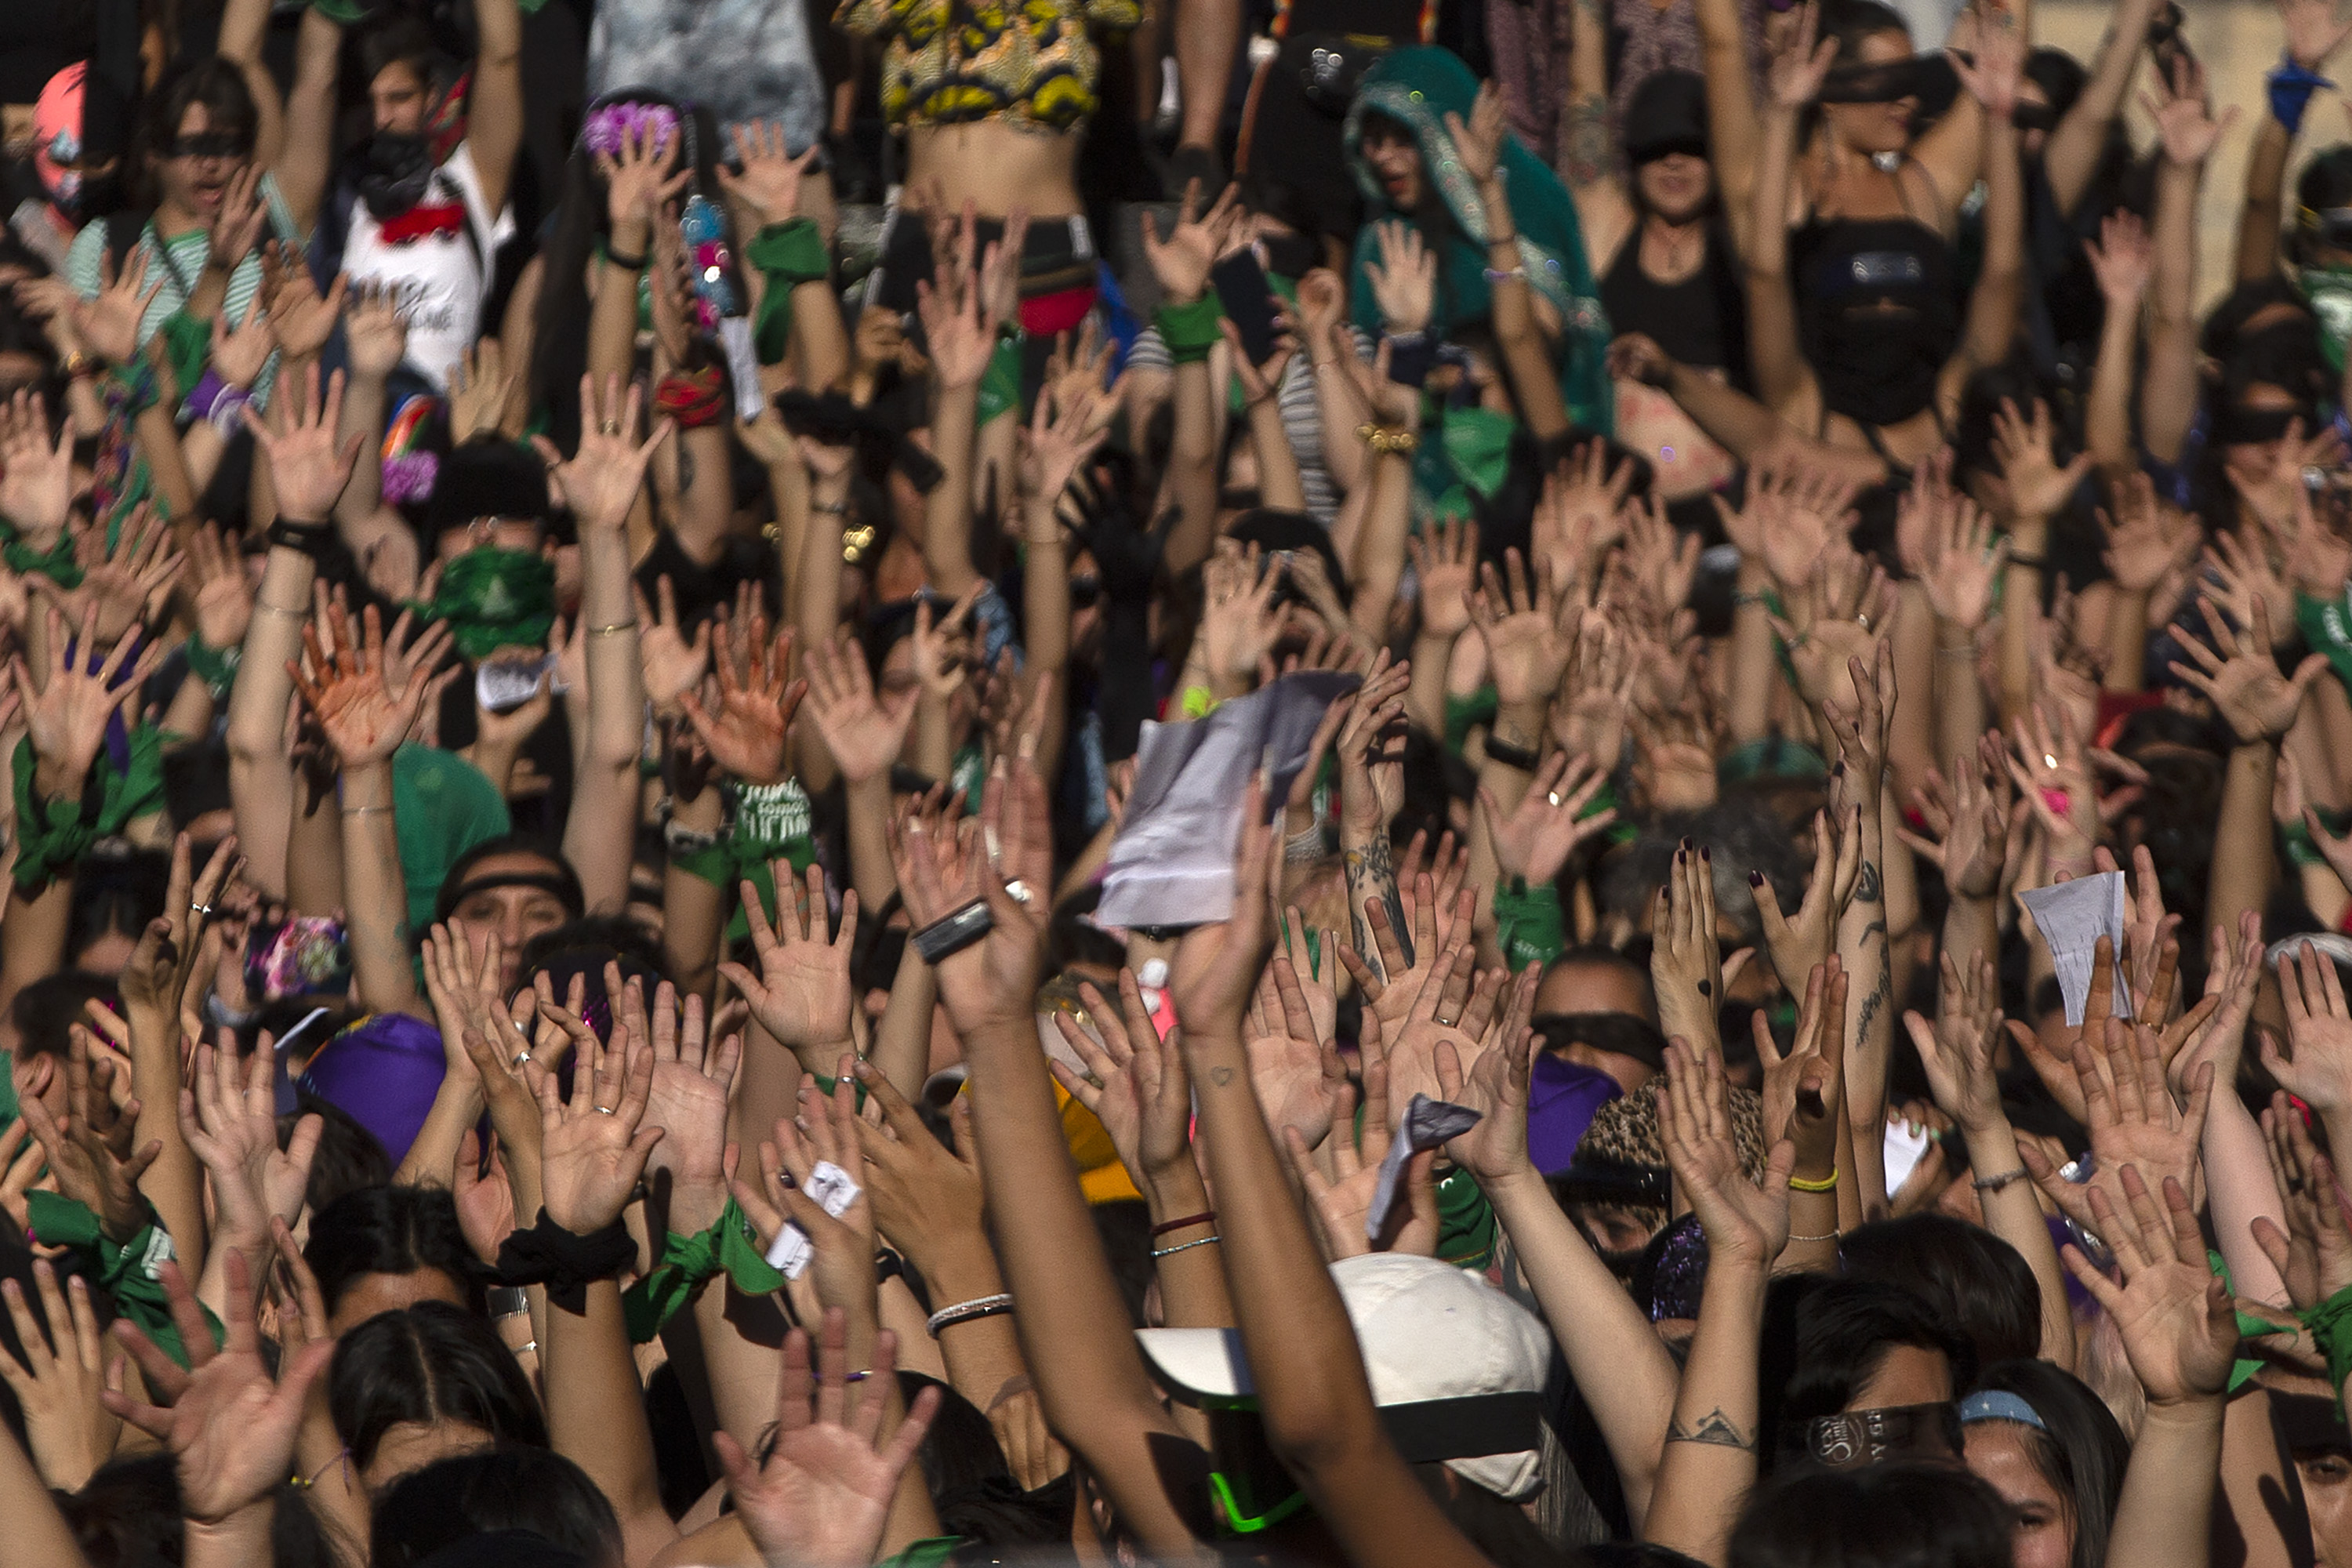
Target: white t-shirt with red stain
[435, 258]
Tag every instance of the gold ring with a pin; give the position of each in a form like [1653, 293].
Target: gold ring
[609, 428]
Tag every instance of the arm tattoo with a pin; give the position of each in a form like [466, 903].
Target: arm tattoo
[1715, 1429]
[1871, 1005]
[1371, 874]
[1866, 889]
[1589, 154]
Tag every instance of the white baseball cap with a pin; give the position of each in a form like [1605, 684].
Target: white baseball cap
[1457, 1366]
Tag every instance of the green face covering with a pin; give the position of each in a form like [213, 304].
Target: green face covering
[2329, 289]
[495, 598]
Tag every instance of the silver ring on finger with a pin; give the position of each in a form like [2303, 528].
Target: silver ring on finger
[606, 1110]
[1018, 892]
[520, 1057]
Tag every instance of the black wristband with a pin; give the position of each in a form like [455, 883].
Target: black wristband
[633, 263]
[566, 1263]
[1501, 750]
[309, 538]
[952, 933]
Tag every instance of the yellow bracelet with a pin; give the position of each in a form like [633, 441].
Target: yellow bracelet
[1380, 440]
[1798, 1184]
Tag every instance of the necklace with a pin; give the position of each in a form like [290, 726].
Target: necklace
[1680, 248]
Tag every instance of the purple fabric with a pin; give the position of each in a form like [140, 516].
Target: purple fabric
[1562, 1100]
[384, 1070]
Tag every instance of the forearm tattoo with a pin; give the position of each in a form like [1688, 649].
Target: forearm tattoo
[1589, 154]
[1716, 1429]
[1371, 874]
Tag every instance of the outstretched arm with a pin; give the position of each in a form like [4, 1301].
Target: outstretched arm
[494, 112]
[2072, 154]
[301, 168]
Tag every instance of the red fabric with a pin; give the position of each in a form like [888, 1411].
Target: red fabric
[2115, 707]
[422, 223]
[690, 397]
[1061, 311]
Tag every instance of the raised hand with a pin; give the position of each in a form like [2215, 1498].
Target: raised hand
[1295, 1065]
[2314, 1254]
[1068, 426]
[801, 995]
[2185, 126]
[821, 1495]
[1967, 822]
[36, 474]
[127, 582]
[67, 1425]
[2243, 682]
[926, 1196]
[1530, 639]
[638, 182]
[770, 184]
[864, 729]
[1341, 1178]
[1991, 78]
[957, 326]
[2171, 1311]
[309, 463]
[600, 484]
[1404, 280]
[1687, 973]
[110, 323]
[2132, 1119]
[2123, 260]
[1800, 942]
[367, 694]
[1445, 563]
[376, 332]
[221, 592]
[1797, 67]
[237, 225]
[1741, 1220]
[231, 1430]
[1535, 837]
[1579, 513]
[1966, 564]
[687, 1099]
[944, 866]
[1957, 1050]
[303, 317]
[1803, 1089]
[228, 1114]
[754, 710]
[1479, 144]
[1181, 261]
[593, 1149]
[65, 719]
[479, 385]
[2146, 539]
[1134, 1083]
[2319, 1033]
[1371, 750]
[2037, 486]
[672, 666]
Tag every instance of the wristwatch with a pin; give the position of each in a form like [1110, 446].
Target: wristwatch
[508, 1301]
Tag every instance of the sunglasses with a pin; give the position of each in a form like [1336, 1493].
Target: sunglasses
[211, 144]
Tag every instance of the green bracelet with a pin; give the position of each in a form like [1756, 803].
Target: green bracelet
[1000, 385]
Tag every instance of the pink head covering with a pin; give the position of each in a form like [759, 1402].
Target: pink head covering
[56, 128]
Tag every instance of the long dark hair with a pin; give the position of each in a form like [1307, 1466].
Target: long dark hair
[2082, 1454]
[390, 1230]
[1918, 1516]
[559, 341]
[511, 1487]
[424, 1365]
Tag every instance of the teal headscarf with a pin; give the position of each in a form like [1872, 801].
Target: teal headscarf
[1418, 87]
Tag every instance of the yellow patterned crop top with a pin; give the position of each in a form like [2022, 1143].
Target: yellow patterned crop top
[955, 61]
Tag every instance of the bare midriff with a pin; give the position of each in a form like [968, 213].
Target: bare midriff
[996, 165]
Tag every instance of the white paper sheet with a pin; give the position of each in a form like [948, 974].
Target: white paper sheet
[2072, 917]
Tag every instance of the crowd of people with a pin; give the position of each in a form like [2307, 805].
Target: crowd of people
[1531, 784]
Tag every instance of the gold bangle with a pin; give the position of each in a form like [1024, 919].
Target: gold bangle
[1383, 440]
[1833, 1235]
[1799, 1184]
[615, 630]
[364, 810]
[262, 604]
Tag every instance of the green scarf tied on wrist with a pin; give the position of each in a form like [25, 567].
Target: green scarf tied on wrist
[495, 598]
[57, 563]
[54, 833]
[789, 254]
[689, 1262]
[129, 1271]
[2330, 1324]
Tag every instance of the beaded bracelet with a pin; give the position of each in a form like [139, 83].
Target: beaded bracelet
[969, 1312]
[1160, 1252]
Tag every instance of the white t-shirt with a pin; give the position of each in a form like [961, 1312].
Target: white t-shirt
[441, 272]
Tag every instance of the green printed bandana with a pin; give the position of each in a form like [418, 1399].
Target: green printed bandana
[2329, 289]
[129, 1272]
[57, 563]
[495, 598]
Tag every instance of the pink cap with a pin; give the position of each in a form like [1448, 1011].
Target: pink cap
[56, 129]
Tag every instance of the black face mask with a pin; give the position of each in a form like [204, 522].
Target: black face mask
[1290, 255]
[1889, 82]
[397, 171]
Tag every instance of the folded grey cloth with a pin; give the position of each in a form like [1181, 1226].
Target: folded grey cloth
[1428, 1123]
[1172, 862]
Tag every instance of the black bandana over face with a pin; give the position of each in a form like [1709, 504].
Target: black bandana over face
[395, 174]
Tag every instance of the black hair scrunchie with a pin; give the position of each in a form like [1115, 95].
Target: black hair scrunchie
[566, 1263]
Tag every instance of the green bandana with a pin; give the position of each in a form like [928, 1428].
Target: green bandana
[2329, 289]
[126, 1272]
[790, 254]
[771, 823]
[687, 1262]
[495, 598]
[54, 833]
[187, 344]
[2330, 1324]
[57, 563]
[442, 806]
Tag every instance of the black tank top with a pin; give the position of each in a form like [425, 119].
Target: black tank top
[1702, 321]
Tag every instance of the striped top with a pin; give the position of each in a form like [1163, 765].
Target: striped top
[178, 268]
